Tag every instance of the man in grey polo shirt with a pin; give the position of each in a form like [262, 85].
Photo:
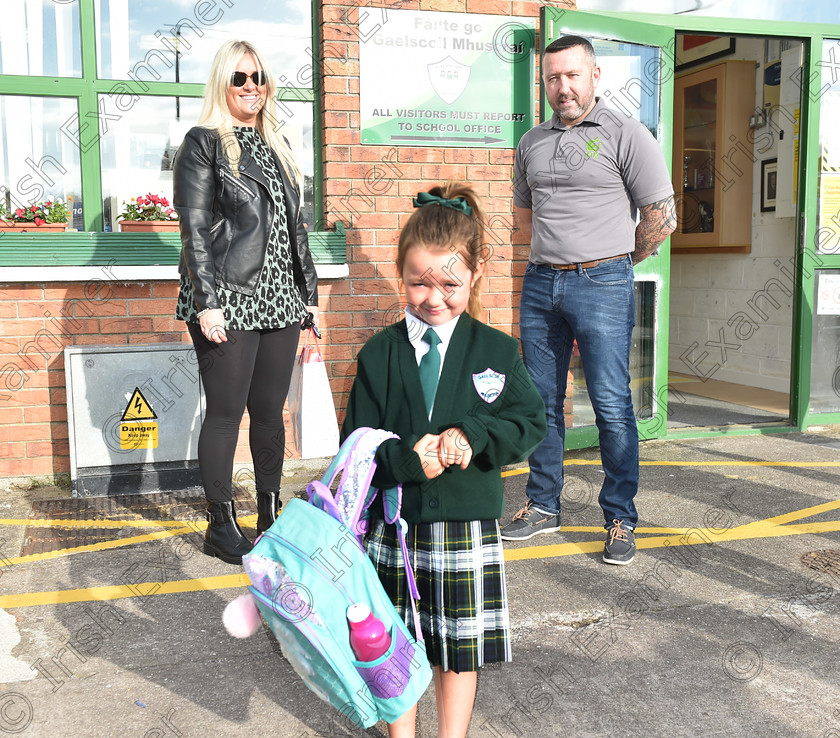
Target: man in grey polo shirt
[578, 180]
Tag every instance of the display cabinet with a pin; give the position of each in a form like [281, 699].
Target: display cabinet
[713, 158]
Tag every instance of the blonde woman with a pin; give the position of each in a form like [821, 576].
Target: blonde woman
[247, 281]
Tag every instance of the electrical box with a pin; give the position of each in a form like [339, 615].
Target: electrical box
[134, 415]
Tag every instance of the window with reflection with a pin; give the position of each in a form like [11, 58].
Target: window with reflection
[40, 38]
[825, 337]
[828, 233]
[138, 149]
[630, 79]
[825, 343]
[162, 41]
[38, 161]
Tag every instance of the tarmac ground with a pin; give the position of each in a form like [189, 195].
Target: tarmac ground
[727, 623]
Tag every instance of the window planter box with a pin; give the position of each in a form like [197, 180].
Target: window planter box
[149, 226]
[32, 228]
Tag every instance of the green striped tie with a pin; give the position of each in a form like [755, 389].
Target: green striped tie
[430, 369]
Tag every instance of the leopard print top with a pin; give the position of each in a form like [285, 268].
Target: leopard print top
[276, 302]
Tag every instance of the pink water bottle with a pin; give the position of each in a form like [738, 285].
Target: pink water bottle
[368, 637]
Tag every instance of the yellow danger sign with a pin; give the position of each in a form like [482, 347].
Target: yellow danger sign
[138, 435]
[138, 408]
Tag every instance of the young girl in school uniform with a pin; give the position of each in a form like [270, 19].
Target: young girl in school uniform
[464, 406]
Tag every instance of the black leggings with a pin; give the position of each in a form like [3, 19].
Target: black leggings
[252, 370]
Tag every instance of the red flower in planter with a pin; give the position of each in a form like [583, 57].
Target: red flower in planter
[38, 213]
[148, 207]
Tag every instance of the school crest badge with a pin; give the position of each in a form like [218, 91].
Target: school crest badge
[449, 79]
[489, 384]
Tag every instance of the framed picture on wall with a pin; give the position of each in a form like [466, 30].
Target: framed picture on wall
[769, 178]
[693, 49]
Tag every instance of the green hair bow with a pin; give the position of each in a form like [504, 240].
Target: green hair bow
[456, 203]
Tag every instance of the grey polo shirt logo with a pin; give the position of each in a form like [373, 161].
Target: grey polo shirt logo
[574, 147]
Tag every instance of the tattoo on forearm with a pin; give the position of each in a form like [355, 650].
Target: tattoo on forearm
[658, 221]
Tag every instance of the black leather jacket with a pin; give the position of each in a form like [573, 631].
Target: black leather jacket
[225, 221]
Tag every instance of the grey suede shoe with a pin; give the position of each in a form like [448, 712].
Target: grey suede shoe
[530, 522]
[621, 544]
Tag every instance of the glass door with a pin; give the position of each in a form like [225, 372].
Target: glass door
[637, 69]
[820, 258]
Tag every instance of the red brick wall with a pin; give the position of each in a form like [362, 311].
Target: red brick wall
[37, 321]
[367, 187]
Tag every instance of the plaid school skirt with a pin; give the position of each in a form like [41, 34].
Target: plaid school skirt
[460, 573]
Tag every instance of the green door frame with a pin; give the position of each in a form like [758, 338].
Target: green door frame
[817, 73]
[648, 29]
[556, 22]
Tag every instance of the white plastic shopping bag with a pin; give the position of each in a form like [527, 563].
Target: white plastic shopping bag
[311, 406]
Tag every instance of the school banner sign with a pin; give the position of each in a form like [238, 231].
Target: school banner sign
[446, 79]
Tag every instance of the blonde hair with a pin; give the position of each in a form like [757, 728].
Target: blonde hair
[216, 115]
[436, 227]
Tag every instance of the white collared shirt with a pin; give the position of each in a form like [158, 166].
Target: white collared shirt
[417, 329]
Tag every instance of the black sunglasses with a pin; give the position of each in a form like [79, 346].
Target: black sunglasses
[238, 79]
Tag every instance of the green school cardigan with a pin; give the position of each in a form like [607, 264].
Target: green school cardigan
[484, 390]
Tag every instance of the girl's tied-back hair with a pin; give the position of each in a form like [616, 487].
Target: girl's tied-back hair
[216, 115]
[448, 218]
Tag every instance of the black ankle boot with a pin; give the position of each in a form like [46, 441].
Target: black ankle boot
[268, 504]
[224, 538]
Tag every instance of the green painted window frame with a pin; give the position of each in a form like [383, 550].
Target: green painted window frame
[93, 246]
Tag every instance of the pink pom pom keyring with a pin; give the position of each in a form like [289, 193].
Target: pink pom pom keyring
[241, 617]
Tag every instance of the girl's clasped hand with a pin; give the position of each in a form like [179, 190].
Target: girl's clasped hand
[439, 452]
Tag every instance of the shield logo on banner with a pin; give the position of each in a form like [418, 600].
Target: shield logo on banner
[489, 384]
[449, 79]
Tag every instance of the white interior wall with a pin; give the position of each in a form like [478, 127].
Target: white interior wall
[741, 300]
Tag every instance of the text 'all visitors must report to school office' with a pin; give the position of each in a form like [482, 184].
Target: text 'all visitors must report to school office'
[452, 79]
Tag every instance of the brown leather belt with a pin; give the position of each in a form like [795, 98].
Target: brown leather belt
[585, 264]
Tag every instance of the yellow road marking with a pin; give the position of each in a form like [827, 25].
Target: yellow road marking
[101, 546]
[201, 526]
[805, 512]
[692, 537]
[58, 523]
[807, 464]
[515, 472]
[597, 462]
[660, 537]
[198, 524]
[684, 537]
[117, 592]
[179, 527]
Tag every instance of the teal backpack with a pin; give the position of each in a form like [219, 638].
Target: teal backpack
[310, 566]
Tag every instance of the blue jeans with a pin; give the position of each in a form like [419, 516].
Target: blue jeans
[597, 307]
